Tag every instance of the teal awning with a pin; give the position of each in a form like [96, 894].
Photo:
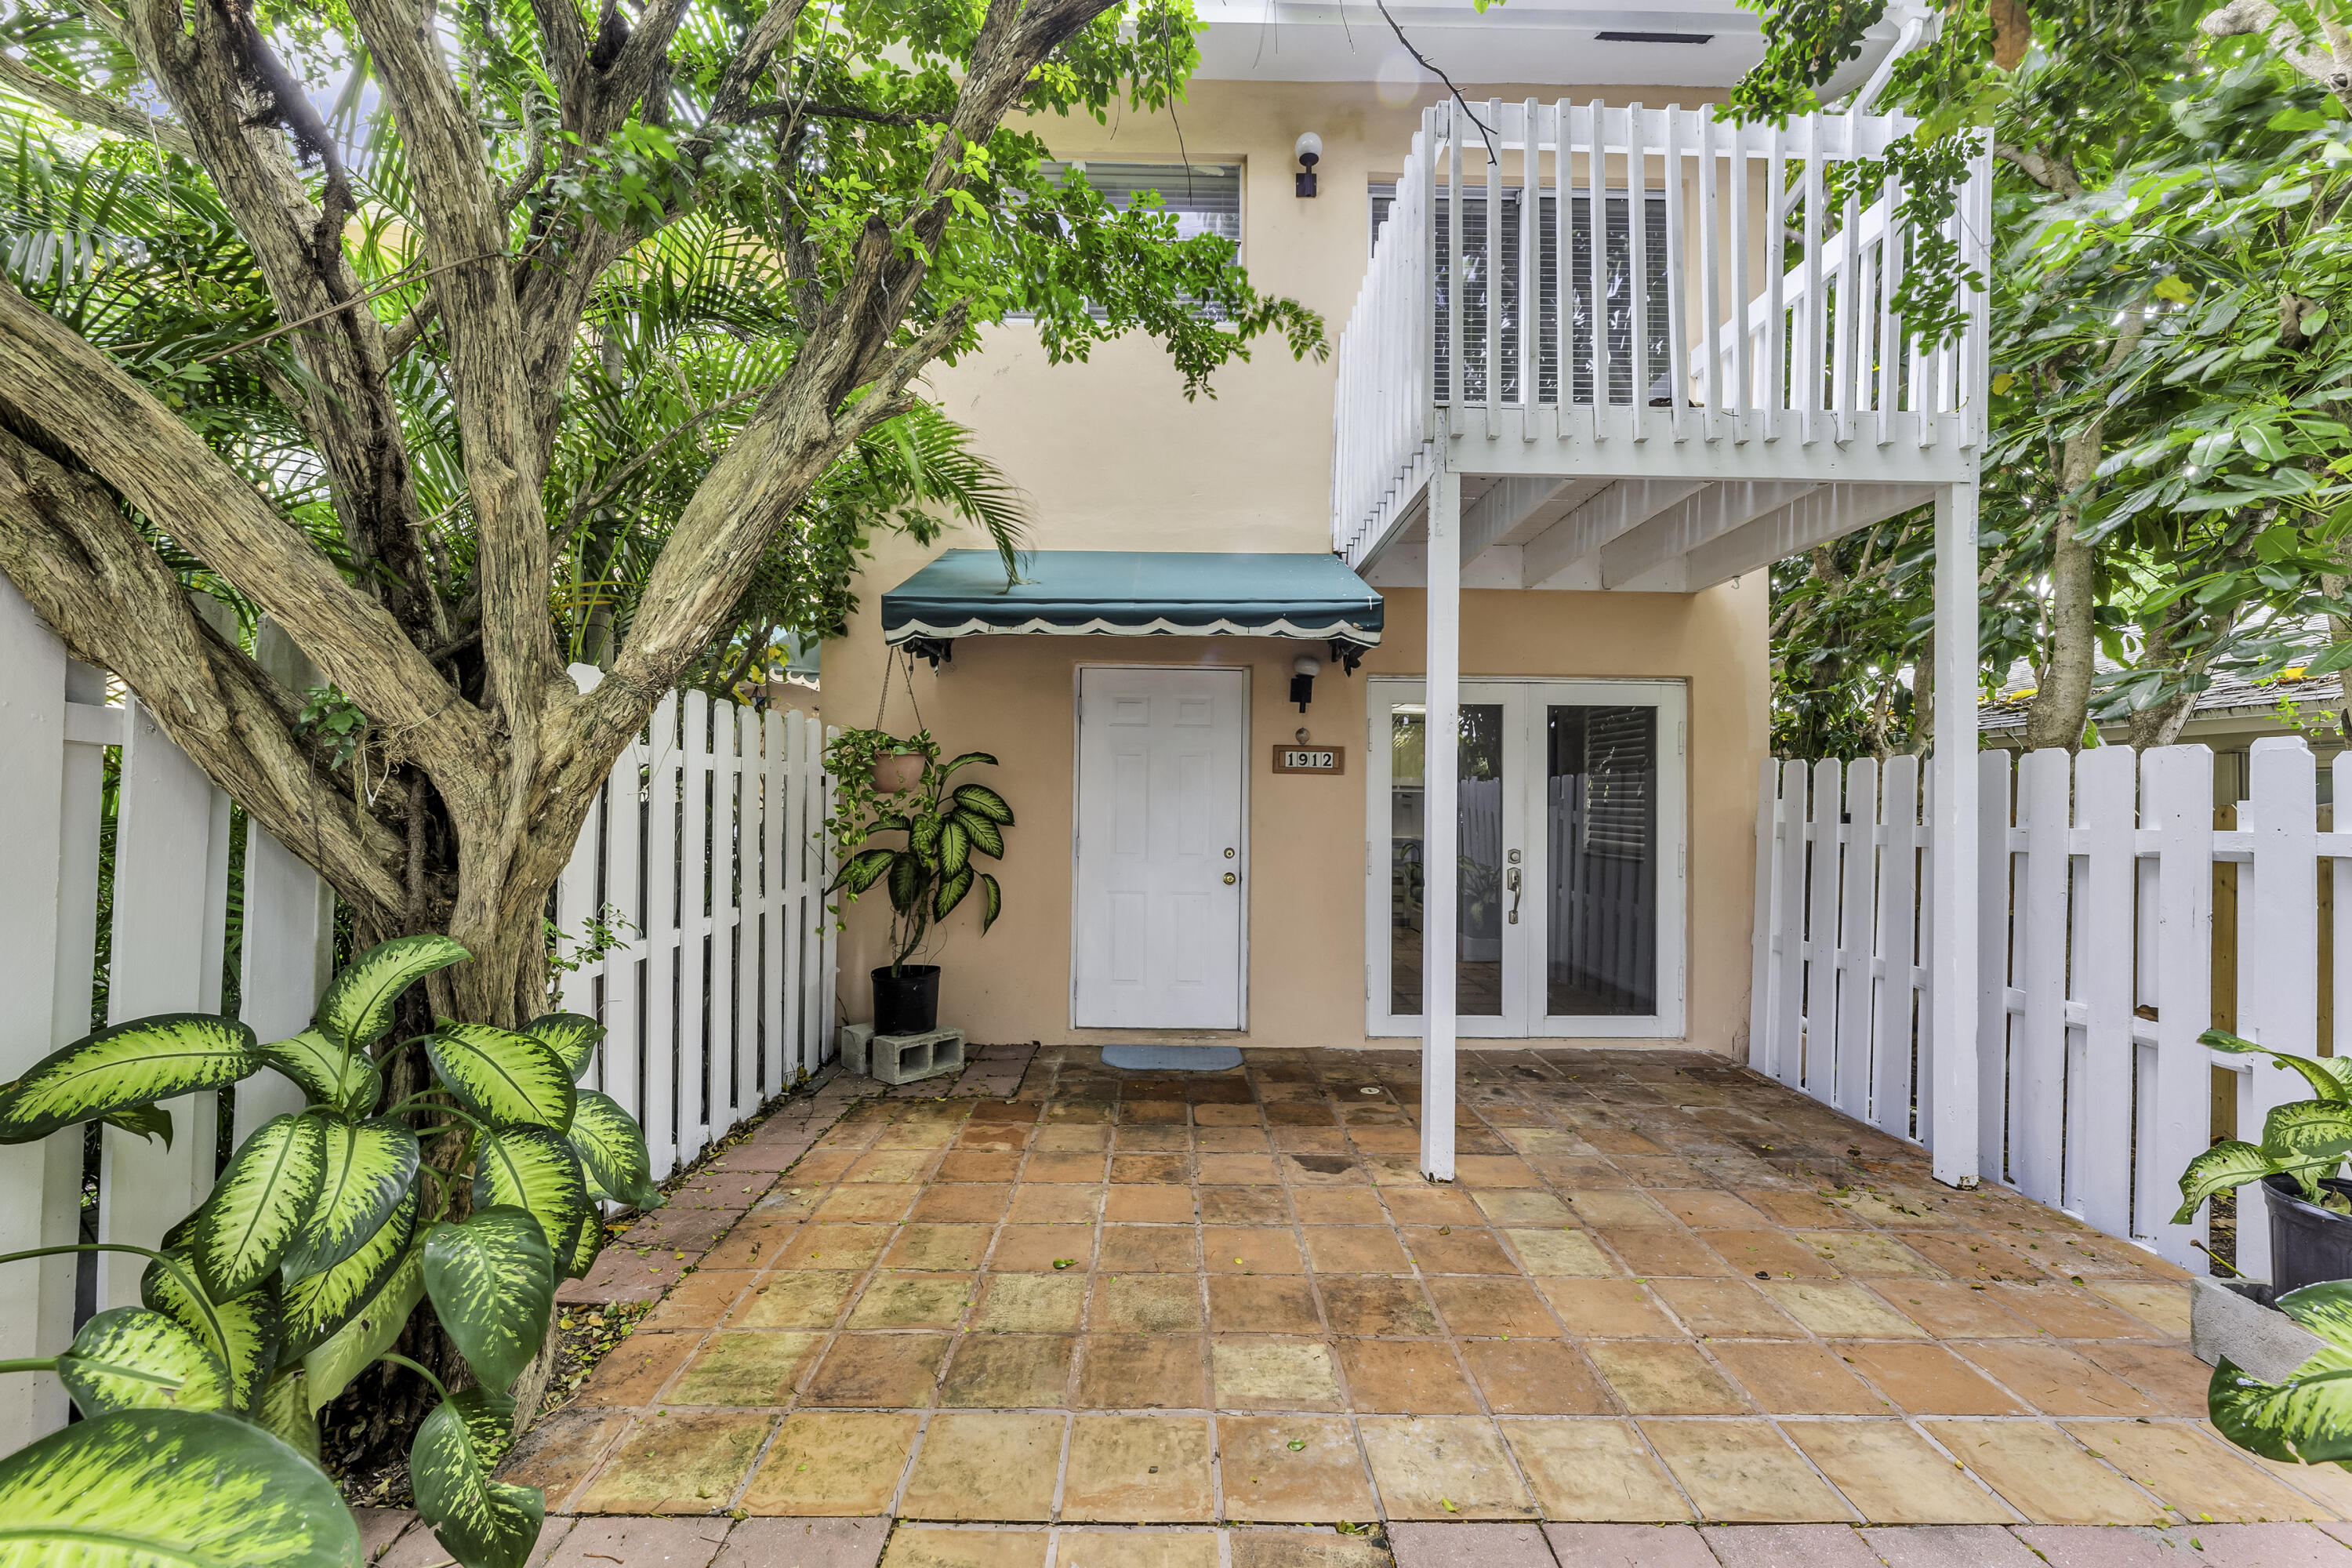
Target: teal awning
[1133, 592]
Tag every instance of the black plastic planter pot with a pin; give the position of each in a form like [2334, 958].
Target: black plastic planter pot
[2308, 1244]
[907, 1002]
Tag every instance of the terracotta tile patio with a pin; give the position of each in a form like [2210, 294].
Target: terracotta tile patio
[1663, 1289]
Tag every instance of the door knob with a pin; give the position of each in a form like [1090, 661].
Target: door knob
[1229, 879]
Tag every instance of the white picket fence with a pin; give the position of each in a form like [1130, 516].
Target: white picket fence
[2096, 939]
[711, 858]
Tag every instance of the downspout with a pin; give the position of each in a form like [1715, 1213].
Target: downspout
[1914, 31]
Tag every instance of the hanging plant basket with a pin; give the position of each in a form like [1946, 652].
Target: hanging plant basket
[895, 772]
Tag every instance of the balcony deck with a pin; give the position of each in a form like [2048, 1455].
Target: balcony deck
[1780, 405]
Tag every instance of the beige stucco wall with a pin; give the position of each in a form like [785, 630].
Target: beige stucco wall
[1111, 456]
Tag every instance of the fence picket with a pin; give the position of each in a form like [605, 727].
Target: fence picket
[1891, 1065]
[2099, 1127]
[1992, 947]
[1820, 932]
[1789, 994]
[2037, 1064]
[2278, 996]
[1856, 936]
[1763, 1042]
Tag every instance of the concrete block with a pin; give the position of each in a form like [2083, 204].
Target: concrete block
[901, 1059]
[2234, 1318]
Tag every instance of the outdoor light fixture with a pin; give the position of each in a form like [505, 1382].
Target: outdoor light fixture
[1310, 151]
[1306, 668]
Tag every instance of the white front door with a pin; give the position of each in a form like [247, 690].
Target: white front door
[1568, 858]
[1158, 909]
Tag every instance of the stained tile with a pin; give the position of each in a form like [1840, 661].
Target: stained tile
[1139, 1469]
[1413, 1376]
[2201, 1478]
[1146, 1304]
[834, 1247]
[1266, 1479]
[1414, 1205]
[895, 1371]
[837, 1463]
[912, 1546]
[1149, 1249]
[1031, 1303]
[562, 1449]
[1304, 1549]
[1774, 1251]
[1171, 1205]
[678, 1464]
[1368, 1305]
[1795, 1378]
[1724, 1306]
[1457, 1250]
[1135, 1549]
[984, 1466]
[1481, 1305]
[1042, 1249]
[2054, 1380]
[699, 1300]
[1253, 1249]
[1437, 1468]
[1662, 1250]
[633, 1372]
[2161, 1304]
[1840, 1309]
[946, 1203]
[1928, 1379]
[1864, 1253]
[1561, 1253]
[1242, 1206]
[1257, 1373]
[1321, 1170]
[2042, 1473]
[1042, 1166]
[913, 1301]
[1743, 1471]
[891, 1166]
[2068, 1313]
[1606, 1210]
[1354, 1249]
[1598, 1470]
[938, 1246]
[1141, 1371]
[1893, 1475]
[2169, 1375]
[1237, 1168]
[1155, 1170]
[1054, 1205]
[1272, 1304]
[1605, 1309]
[1953, 1310]
[866, 1201]
[1008, 1372]
[1087, 1139]
[1534, 1377]
[756, 1367]
[979, 1166]
[1483, 1170]
[1708, 1208]
[1665, 1378]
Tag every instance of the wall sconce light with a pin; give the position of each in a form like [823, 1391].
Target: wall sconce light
[1310, 151]
[1304, 670]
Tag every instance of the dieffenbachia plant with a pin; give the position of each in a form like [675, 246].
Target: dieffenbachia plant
[2307, 1417]
[2304, 1139]
[326, 1229]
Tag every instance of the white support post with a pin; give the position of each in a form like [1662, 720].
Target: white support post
[1441, 747]
[1952, 857]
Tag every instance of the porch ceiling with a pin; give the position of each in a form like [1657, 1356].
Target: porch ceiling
[1640, 535]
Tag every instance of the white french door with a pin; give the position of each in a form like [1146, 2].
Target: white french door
[1568, 850]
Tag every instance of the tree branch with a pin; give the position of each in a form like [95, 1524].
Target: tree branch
[91, 109]
[2051, 174]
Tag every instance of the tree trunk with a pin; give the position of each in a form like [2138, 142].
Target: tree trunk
[1923, 696]
[2061, 703]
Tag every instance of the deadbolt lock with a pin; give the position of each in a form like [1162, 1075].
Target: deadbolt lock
[1228, 854]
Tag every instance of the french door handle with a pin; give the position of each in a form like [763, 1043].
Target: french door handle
[1511, 881]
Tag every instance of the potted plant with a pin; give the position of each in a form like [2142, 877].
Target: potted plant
[891, 764]
[929, 873]
[2303, 1149]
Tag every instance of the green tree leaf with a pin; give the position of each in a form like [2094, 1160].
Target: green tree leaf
[358, 1006]
[611, 1146]
[492, 1281]
[132, 1358]
[534, 1169]
[2308, 1417]
[328, 1073]
[2307, 1133]
[368, 1166]
[955, 847]
[584, 1246]
[148, 1121]
[481, 1522]
[950, 893]
[507, 1080]
[259, 1205]
[372, 1329]
[571, 1037]
[130, 1065]
[251, 1328]
[319, 1305]
[986, 837]
[144, 1487]
[2324, 1309]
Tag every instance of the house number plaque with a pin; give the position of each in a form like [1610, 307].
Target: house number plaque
[1310, 759]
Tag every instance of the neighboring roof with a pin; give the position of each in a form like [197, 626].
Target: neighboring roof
[2230, 696]
[1134, 593]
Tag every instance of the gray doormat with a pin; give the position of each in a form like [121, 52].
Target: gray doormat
[1175, 1059]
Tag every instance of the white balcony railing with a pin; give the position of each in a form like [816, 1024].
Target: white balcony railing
[1683, 322]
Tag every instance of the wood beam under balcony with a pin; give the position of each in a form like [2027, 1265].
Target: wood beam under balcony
[1645, 555]
[1551, 559]
[1828, 513]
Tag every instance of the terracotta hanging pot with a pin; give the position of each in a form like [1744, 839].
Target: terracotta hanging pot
[898, 773]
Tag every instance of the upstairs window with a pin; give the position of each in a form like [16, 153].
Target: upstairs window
[1204, 198]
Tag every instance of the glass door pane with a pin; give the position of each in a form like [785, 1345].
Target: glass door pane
[1481, 827]
[1600, 815]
